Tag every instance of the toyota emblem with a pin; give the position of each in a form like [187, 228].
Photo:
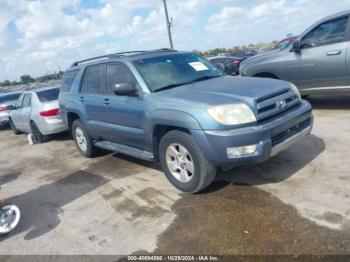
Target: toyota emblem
[281, 104]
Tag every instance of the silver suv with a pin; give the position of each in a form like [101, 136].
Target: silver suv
[318, 61]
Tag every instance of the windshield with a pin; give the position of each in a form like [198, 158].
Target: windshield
[284, 43]
[169, 71]
[48, 95]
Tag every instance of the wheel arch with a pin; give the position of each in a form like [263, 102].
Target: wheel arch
[266, 75]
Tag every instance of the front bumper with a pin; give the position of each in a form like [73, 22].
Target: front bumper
[271, 137]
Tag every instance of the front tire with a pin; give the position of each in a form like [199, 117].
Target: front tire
[83, 141]
[184, 163]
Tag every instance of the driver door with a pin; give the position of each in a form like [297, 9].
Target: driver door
[321, 62]
[124, 115]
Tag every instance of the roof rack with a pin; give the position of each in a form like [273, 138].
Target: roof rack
[114, 55]
[105, 56]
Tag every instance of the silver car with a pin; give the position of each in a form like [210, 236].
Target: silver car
[37, 112]
[6, 100]
[318, 61]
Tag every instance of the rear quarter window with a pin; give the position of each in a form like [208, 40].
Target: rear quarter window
[48, 95]
[68, 79]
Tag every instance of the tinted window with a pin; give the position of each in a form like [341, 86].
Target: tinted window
[327, 33]
[118, 73]
[9, 98]
[48, 95]
[68, 79]
[26, 100]
[92, 82]
[217, 60]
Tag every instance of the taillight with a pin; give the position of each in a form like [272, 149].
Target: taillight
[51, 112]
[3, 108]
[236, 62]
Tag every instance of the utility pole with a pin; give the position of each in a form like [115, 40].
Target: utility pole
[168, 25]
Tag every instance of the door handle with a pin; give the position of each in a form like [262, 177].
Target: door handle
[338, 52]
[106, 101]
[81, 99]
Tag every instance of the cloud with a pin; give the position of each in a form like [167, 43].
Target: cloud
[41, 36]
[262, 21]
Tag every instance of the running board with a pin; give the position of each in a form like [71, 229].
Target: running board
[126, 150]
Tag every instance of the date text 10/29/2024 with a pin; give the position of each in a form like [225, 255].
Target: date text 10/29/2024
[173, 258]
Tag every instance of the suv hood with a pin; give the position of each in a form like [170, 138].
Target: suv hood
[223, 90]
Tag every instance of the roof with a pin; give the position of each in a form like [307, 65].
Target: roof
[38, 89]
[131, 55]
[10, 93]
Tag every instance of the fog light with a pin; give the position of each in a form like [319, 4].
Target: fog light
[240, 151]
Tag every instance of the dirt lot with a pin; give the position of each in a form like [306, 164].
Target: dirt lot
[296, 203]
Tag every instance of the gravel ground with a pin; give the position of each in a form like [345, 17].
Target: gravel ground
[296, 203]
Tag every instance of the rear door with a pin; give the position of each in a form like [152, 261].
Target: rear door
[25, 112]
[124, 114]
[321, 63]
[91, 96]
[16, 114]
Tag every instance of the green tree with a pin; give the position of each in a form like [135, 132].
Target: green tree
[25, 79]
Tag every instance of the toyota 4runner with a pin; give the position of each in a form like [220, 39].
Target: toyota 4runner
[179, 109]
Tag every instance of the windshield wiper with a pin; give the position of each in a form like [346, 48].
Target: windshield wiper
[169, 87]
[185, 83]
[203, 78]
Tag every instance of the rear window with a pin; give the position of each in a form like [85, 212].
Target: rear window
[48, 95]
[68, 79]
[9, 98]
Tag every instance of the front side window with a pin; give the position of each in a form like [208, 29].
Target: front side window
[330, 32]
[93, 80]
[170, 71]
[118, 73]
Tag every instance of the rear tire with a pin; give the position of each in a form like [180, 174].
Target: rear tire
[83, 141]
[184, 163]
[37, 135]
[13, 127]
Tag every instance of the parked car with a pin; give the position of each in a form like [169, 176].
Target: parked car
[318, 61]
[37, 112]
[244, 54]
[179, 109]
[6, 100]
[229, 64]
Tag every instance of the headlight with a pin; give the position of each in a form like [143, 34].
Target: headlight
[233, 114]
[295, 90]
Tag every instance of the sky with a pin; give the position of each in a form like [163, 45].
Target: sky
[42, 36]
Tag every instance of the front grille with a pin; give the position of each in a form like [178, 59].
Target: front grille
[277, 103]
[279, 138]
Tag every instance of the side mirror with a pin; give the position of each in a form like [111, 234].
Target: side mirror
[11, 107]
[124, 89]
[296, 46]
